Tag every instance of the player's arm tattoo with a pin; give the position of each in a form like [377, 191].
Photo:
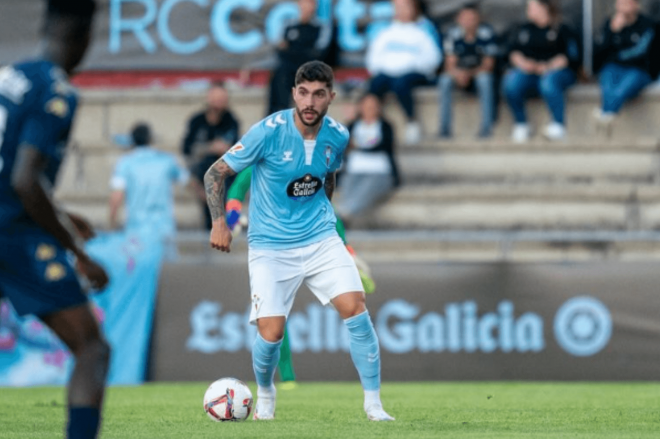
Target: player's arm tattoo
[329, 185]
[214, 186]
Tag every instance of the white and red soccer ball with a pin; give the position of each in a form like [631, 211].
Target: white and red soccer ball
[228, 399]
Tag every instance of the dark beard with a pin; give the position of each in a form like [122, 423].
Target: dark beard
[311, 124]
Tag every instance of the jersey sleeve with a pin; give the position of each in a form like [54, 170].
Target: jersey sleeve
[248, 151]
[119, 179]
[45, 128]
[336, 164]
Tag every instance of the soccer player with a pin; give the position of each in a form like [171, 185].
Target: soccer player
[37, 105]
[235, 198]
[292, 236]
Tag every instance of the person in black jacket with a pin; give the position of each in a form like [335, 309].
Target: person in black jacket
[209, 135]
[303, 40]
[371, 171]
[545, 56]
[623, 56]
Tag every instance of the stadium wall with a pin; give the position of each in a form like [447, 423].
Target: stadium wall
[435, 322]
[212, 35]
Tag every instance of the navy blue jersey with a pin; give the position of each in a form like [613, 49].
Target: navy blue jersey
[37, 105]
[470, 54]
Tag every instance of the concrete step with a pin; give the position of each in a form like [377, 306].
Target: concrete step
[107, 112]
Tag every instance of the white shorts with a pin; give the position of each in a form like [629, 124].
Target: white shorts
[326, 267]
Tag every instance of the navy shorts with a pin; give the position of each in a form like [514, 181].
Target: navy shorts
[36, 273]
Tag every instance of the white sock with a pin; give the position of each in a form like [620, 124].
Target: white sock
[371, 397]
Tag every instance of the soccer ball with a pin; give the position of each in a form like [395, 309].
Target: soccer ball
[228, 399]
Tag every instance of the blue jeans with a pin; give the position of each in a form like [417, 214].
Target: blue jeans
[485, 84]
[620, 84]
[402, 86]
[518, 86]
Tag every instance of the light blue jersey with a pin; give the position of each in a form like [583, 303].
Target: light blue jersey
[146, 176]
[288, 204]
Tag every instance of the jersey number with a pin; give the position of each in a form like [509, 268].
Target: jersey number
[3, 126]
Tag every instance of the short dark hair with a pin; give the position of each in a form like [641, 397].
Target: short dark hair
[141, 135]
[315, 71]
[472, 6]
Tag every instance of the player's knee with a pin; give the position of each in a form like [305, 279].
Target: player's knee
[96, 351]
[272, 335]
[355, 307]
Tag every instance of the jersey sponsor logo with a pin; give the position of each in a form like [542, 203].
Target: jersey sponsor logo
[287, 156]
[57, 107]
[45, 252]
[303, 188]
[273, 122]
[55, 271]
[234, 149]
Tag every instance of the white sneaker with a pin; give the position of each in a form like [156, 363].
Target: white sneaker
[265, 409]
[521, 133]
[413, 133]
[375, 412]
[554, 131]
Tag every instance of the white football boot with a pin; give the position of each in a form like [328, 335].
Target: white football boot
[375, 412]
[265, 409]
[521, 133]
[554, 131]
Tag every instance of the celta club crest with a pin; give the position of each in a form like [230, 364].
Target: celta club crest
[328, 154]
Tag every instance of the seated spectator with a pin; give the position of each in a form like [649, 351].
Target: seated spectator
[371, 172]
[545, 55]
[405, 55]
[305, 39]
[470, 51]
[143, 179]
[210, 134]
[623, 56]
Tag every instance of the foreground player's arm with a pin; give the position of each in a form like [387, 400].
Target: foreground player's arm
[26, 182]
[214, 186]
[329, 185]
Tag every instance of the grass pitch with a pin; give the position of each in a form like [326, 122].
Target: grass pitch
[334, 410]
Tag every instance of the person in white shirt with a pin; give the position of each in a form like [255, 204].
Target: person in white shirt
[371, 172]
[405, 55]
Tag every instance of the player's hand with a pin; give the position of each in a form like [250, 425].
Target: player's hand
[233, 209]
[92, 271]
[83, 227]
[221, 236]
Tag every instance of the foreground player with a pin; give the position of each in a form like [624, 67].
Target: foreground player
[292, 236]
[235, 198]
[37, 105]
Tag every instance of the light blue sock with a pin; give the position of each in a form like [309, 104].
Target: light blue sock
[265, 356]
[364, 350]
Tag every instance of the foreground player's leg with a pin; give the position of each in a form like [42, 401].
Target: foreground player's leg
[265, 356]
[364, 351]
[285, 365]
[78, 329]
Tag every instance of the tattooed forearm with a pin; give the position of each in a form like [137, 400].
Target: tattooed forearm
[329, 185]
[214, 186]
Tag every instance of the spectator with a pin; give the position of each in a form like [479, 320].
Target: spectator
[304, 39]
[623, 56]
[371, 172]
[545, 55]
[210, 134]
[404, 55]
[470, 51]
[144, 179]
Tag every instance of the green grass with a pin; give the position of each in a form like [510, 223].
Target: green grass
[334, 410]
